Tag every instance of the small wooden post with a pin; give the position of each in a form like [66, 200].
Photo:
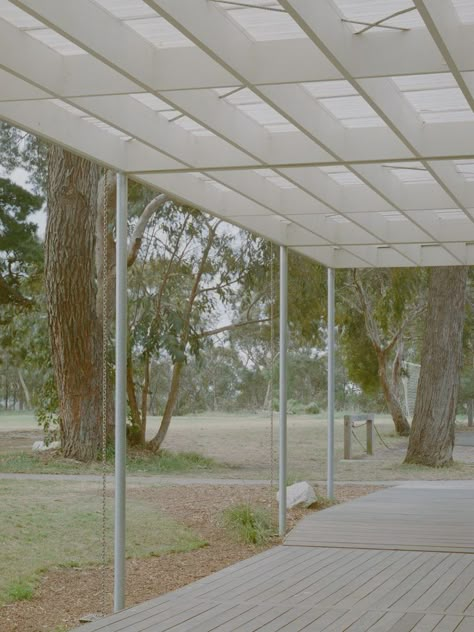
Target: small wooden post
[347, 437]
[370, 435]
[470, 413]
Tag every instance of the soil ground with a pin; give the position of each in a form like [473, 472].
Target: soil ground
[64, 595]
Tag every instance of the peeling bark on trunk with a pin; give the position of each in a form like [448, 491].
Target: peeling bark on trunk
[71, 300]
[432, 436]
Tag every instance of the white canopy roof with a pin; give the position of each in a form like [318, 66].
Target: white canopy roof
[341, 128]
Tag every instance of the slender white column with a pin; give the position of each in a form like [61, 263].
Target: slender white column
[120, 392]
[331, 380]
[283, 386]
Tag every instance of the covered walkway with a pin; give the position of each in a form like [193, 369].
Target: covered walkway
[398, 560]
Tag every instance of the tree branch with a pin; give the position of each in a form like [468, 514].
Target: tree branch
[136, 239]
[232, 326]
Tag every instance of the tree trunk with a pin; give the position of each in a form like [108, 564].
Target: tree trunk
[432, 436]
[71, 300]
[470, 413]
[137, 430]
[156, 442]
[392, 399]
[26, 392]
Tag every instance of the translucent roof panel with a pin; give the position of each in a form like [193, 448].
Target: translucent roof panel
[193, 126]
[328, 89]
[90, 119]
[436, 98]
[56, 41]
[152, 102]
[370, 11]
[352, 111]
[17, 17]
[127, 9]
[159, 32]
[255, 108]
[466, 169]
[410, 172]
[24, 21]
[274, 178]
[341, 175]
[465, 10]
[270, 22]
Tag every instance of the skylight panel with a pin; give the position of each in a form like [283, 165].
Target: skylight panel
[56, 41]
[329, 89]
[425, 82]
[259, 111]
[69, 108]
[337, 219]
[152, 102]
[22, 20]
[352, 111]
[193, 126]
[466, 169]
[209, 181]
[393, 216]
[275, 179]
[451, 214]
[465, 10]
[159, 32]
[410, 172]
[341, 175]
[370, 11]
[263, 25]
[90, 119]
[127, 9]
[440, 105]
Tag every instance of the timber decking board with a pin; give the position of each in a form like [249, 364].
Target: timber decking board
[399, 560]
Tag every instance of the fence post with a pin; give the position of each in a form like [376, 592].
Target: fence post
[370, 434]
[347, 437]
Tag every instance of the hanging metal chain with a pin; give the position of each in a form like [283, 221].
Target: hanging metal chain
[105, 333]
[272, 385]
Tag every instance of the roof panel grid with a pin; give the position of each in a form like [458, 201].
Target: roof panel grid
[265, 22]
[366, 166]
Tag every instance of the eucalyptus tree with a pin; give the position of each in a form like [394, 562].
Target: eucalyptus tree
[432, 437]
[185, 278]
[379, 309]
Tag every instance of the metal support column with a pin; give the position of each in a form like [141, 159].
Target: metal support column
[283, 387]
[331, 380]
[120, 392]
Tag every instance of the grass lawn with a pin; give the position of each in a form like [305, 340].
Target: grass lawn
[238, 446]
[137, 463]
[52, 524]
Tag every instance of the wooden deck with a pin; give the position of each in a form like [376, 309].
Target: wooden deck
[400, 560]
